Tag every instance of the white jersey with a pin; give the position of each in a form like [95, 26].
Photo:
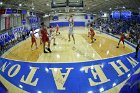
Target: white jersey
[51, 34]
[71, 26]
[71, 22]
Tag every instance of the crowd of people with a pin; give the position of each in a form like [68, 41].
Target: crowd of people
[10, 38]
[127, 29]
[130, 28]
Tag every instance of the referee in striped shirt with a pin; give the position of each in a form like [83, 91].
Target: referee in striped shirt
[137, 48]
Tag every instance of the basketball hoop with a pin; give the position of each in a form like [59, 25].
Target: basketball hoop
[67, 9]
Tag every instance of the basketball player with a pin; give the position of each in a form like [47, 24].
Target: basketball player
[137, 48]
[52, 35]
[57, 29]
[121, 40]
[40, 37]
[88, 30]
[71, 24]
[45, 38]
[33, 39]
[92, 33]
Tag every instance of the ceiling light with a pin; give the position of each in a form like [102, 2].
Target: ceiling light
[1, 3]
[20, 4]
[33, 8]
[47, 4]
[123, 7]
[77, 1]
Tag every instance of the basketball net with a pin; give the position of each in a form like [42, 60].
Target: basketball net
[67, 11]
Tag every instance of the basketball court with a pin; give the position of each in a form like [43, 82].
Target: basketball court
[82, 66]
[65, 51]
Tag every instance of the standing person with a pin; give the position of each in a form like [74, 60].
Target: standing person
[45, 38]
[121, 39]
[92, 33]
[88, 30]
[40, 37]
[137, 48]
[71, 24]
[100, 28]
[52, 35]
[33, 39]
[57, 29]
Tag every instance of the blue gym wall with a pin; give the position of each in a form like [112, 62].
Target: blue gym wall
[79, 20]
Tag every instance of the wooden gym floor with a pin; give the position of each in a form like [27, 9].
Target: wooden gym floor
[68, 52]
[64, 51]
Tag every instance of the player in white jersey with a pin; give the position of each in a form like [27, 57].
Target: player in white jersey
[71, 25]
[52, 35]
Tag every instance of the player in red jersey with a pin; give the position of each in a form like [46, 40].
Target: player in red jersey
[57, 29]
[122, 37]
[33, 39]
[89, 30]
[45, 38]
[92, 33]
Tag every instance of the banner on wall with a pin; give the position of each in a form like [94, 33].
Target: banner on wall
[14, 11]
[8, 11]
[86, 16]
[24, 12]
[23, 21]
[19, 11]
[7, 22]
[91, 16]
[2, 11]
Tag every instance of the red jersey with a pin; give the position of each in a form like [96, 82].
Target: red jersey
[92, 31]
[44, 35]
[122, 36]
[33, 37]
[57, 28]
